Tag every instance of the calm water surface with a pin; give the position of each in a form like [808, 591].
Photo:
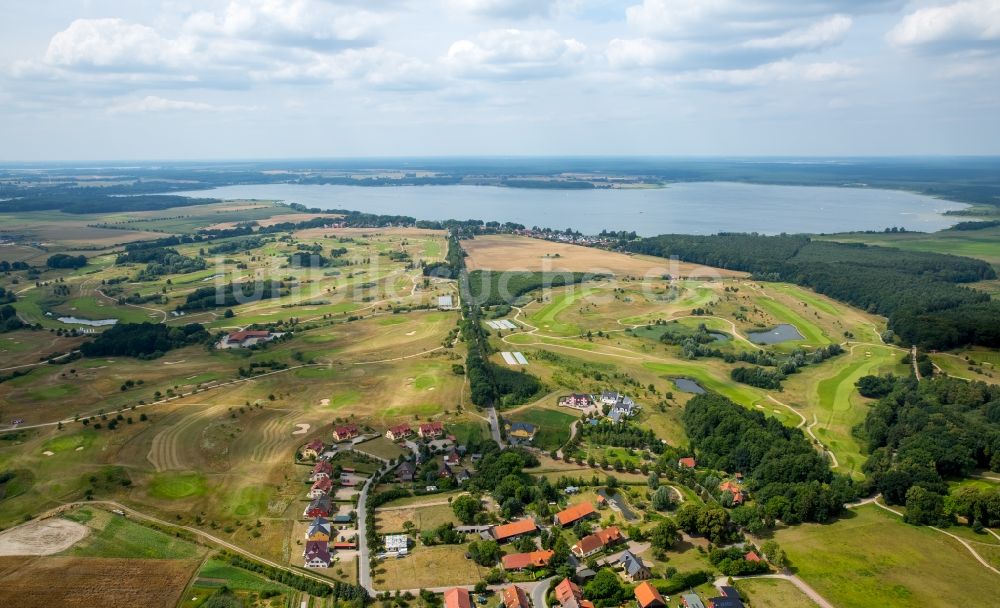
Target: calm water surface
[690, 208]
[781, 333]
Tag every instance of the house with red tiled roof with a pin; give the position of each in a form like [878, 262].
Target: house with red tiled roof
[514, 529]
[321, 469]
[246, 338]
[514, 597]
[523, 561]
[734, 489]
[575, 513]
[687, 463]
[752, 556]
[569, 595]
[320, 487]
[589, 545]
[457, 598]
[431, 430]
[648, 597]
[400, 431]
[312, 449]
[317, 554]
[346, 432]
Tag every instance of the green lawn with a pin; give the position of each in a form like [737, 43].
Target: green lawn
[545, 317]
[811, 333]
[553, 426]
[173, 486]
[871, 558]
[116, 536]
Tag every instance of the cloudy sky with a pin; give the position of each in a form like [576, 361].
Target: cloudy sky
[116, 79]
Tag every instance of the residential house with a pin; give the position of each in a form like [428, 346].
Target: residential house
[520, 432]
[321, 506]
[752, 556]
[396, 544]
[632, 567]
[734, 489]
[317, 554]
[312, 449]
[515, 529]
[247, 338]
[346, 432]
[431, 430]
[648, 597]
[524, 561]
[610, 397]
[625, 408]
[514, 597]
[577, 400]
[463, 476]
[453, 459]
[569, 595]
[320, 470]
[691, 600]
[575, 513]
[320, 487]
[319, 530]
[444, 471]
[687, 463]
[730, 598]
[457, 598]
[591, 544]
[405, 472]
[398, 432]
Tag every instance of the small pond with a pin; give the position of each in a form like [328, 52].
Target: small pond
[719, 336]
[688, 386]
[91, 323]
[781, 333]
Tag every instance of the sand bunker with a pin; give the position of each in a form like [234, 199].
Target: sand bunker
[324, 402]
[48, 453]
[301, 429]
[42, 537]
[412, 333]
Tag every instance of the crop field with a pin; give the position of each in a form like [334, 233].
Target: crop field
[982, 244]
[116, 536]
[87, 582]
[871, 557]
[508, 252]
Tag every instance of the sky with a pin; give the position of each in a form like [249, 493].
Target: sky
[232, 79]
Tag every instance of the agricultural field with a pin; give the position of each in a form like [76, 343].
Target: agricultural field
[870, 556]
[508, 252]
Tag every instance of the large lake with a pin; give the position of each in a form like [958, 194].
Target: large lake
[689, 208]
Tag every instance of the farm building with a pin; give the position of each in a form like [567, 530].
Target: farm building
[591, 544]
[398, 432]
[648, 597]
[457, 598]
[514, 597]
[346, 432]
[446, 303]
[571, 515]
[514, 529]
[431, 430]
[247, 338]
[523, 561]
[396, 544]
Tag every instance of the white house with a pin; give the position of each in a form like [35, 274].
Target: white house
[396, 544]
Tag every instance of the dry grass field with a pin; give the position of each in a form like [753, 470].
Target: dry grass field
[390, 519]
[438, 566]
[44, 537]
[89, 582]
[508, 252]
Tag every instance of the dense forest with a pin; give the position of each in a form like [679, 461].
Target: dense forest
[922, 433]
[143, 340]
[454, 261]
[87, 200]
[919, 292]
[160, 261]
[64, 260]
[783, 471]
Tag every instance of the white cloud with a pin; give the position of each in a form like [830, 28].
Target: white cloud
[153, 103]
[966, 24]
[515, 54]
[826, 32]
[511, 9]
[779, 71]
[114, 43]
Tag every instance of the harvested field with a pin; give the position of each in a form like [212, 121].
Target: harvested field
[505, 252]
[43, 537]
[88, 582]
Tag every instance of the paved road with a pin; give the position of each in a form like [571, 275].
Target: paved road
[538, 593]
[494, 421]
[913, 360]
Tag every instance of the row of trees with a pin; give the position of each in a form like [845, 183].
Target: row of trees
[143, 340]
